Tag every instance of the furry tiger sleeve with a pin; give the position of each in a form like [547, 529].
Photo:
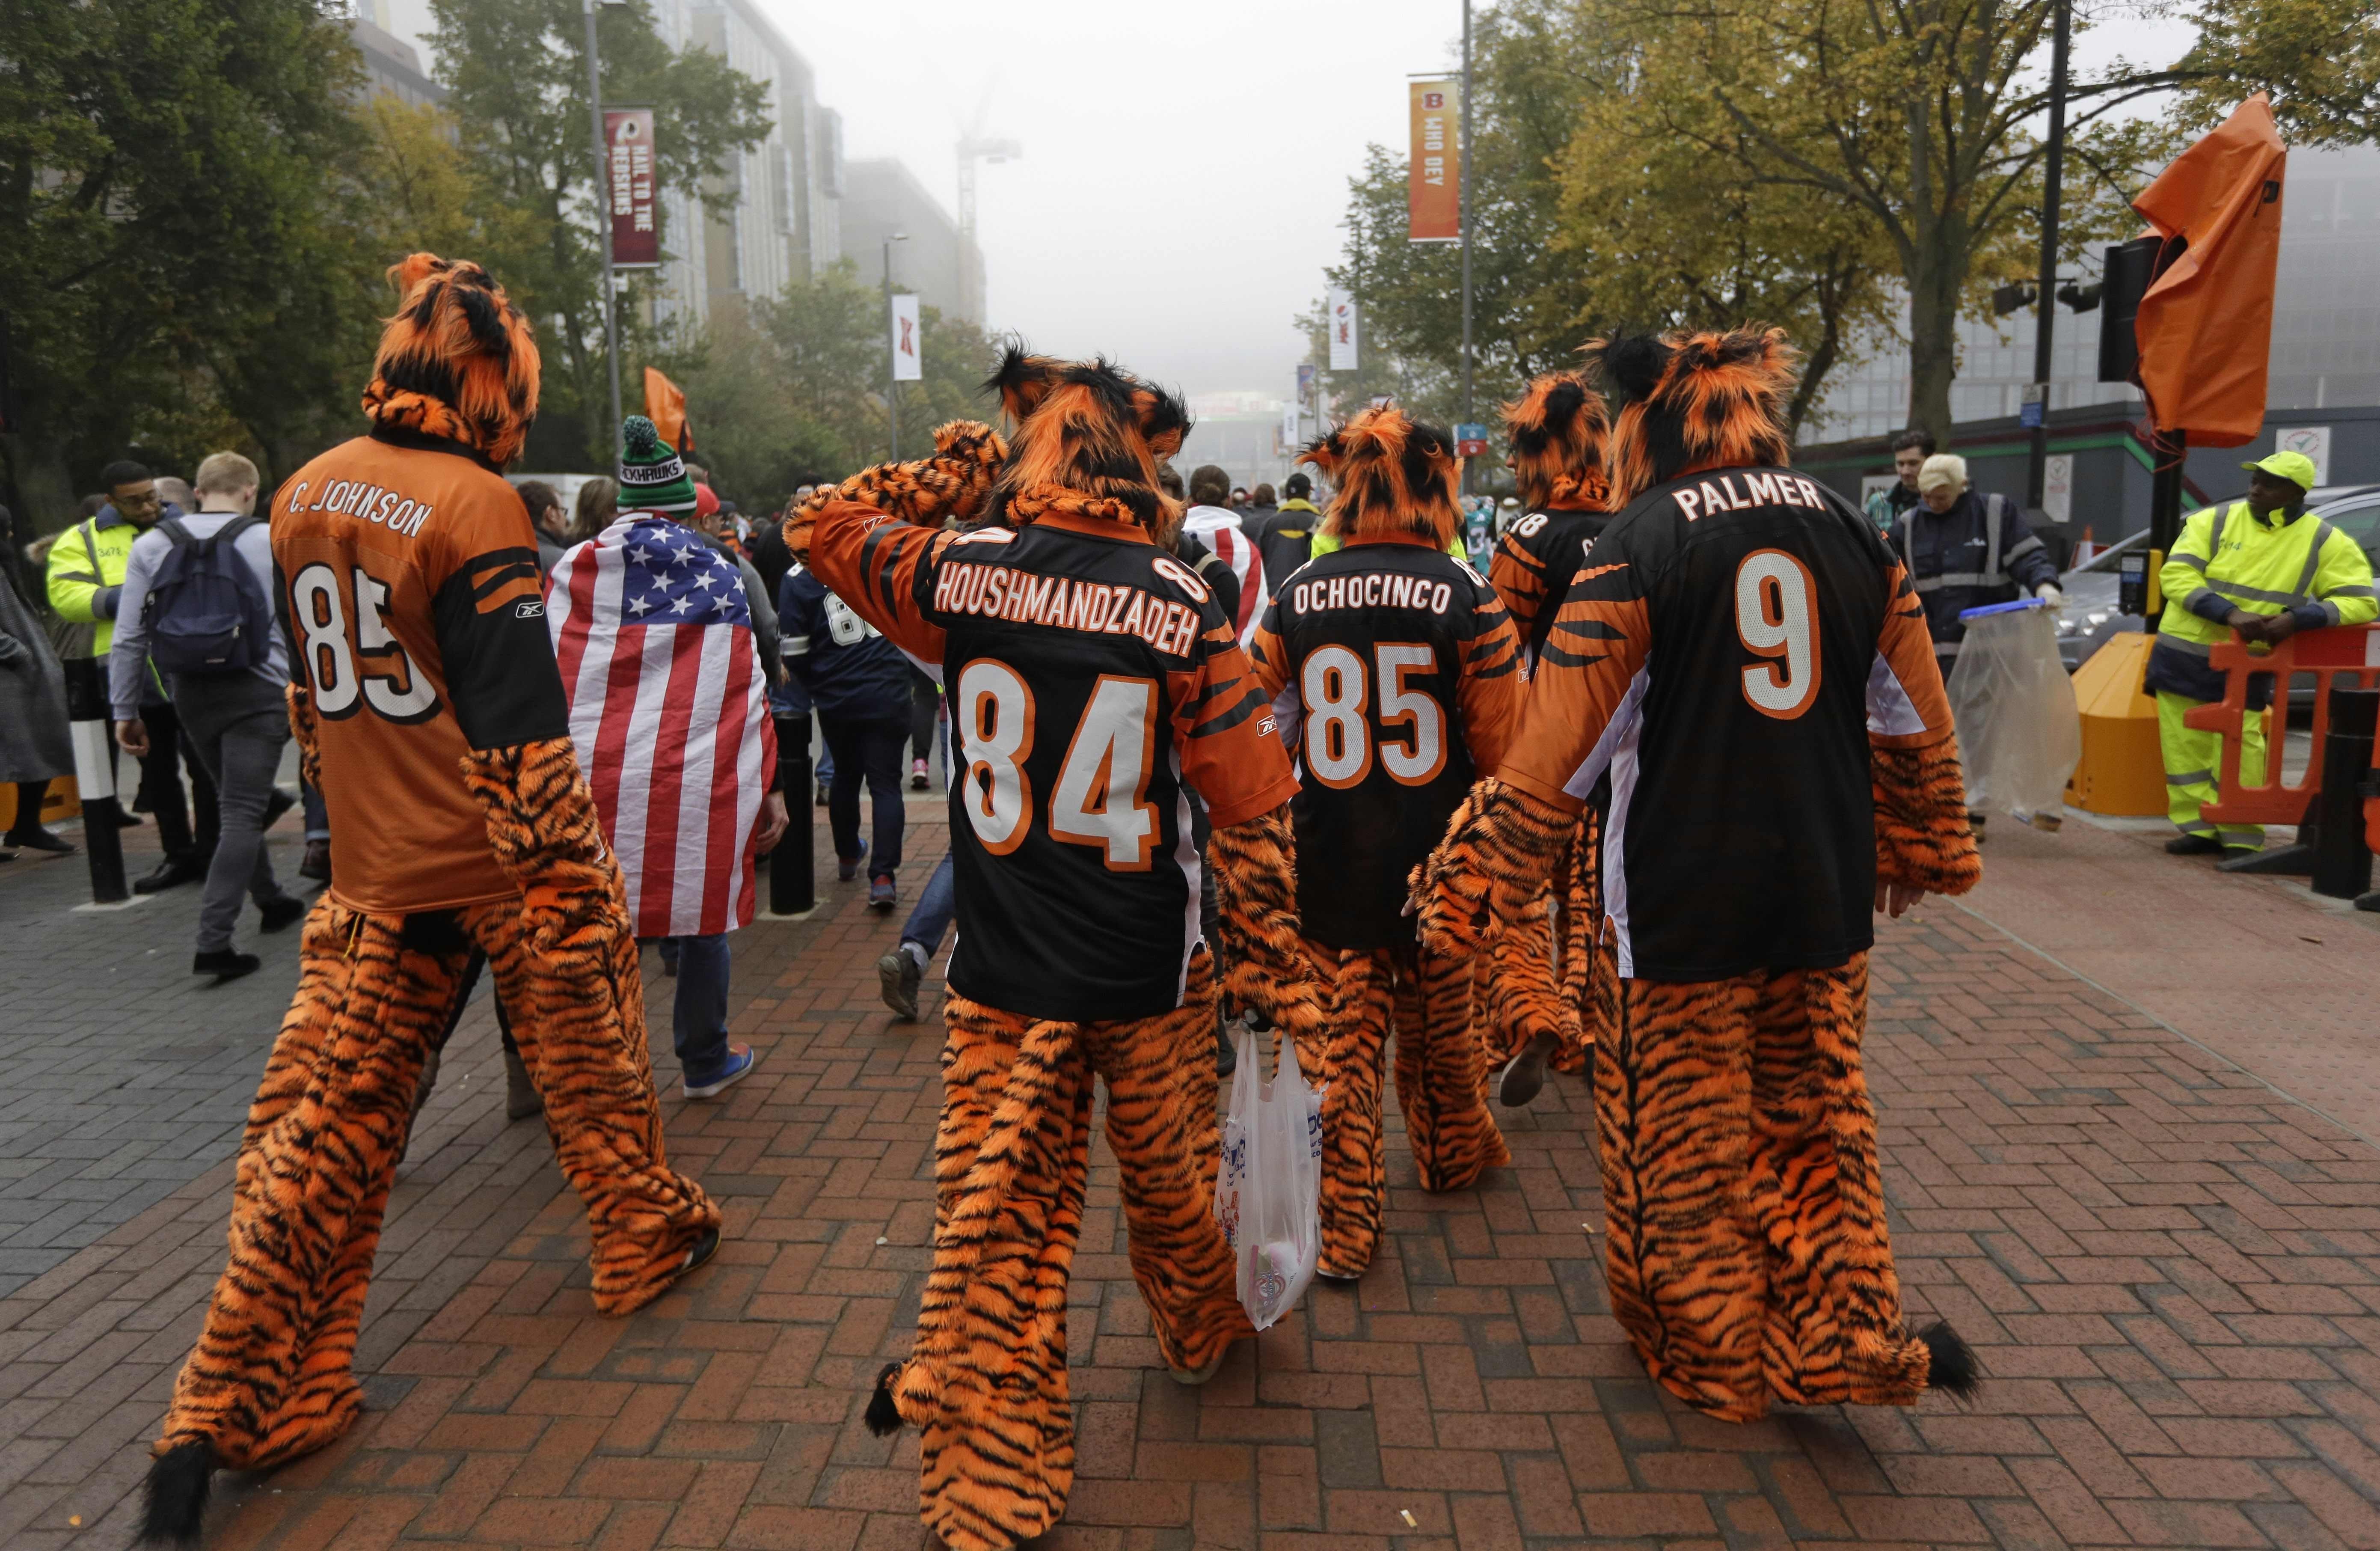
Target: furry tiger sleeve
[544, 830]
[1498, 853]
[1264, 959]
[1921, 835]
[1923, 838]
[301, 728]
[955, 482]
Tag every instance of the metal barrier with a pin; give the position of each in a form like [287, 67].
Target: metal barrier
[2348, 655]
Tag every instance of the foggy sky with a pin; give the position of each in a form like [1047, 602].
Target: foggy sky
[1184, 168]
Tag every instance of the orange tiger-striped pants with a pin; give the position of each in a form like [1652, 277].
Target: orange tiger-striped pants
[1442, 1071]
[1533, 979]
[1748, 1258]
[986, 1380]
[272, 1377]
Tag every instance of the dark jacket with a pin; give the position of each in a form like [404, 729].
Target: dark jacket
[1979, 552]
[852, 673]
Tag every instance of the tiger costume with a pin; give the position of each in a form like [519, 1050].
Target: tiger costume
[1783, 764]
[1398, 674]
[430, 718]
[1094, 685]
[1534, 981]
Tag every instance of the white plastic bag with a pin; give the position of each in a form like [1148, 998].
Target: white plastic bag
[2020, 730]
[1268, 1192]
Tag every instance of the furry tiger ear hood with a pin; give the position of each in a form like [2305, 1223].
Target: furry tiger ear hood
[1089, 439]
[1558, 430]
[457, 361]
[1394, 475]
[1693, 402]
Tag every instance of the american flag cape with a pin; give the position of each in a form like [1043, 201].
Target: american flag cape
[669, 714]
[1218, 528]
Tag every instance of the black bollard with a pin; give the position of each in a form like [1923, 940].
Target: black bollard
[92, 729]
[2342, 863]
[793, 883]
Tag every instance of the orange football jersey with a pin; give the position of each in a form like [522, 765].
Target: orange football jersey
[413, 603]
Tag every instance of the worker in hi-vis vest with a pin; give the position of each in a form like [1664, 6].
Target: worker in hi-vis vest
[2261, 568]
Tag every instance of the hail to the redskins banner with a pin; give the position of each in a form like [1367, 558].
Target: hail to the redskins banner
[628, 172]
[1434, 178]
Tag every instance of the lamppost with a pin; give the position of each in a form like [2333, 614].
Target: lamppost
[1466, 187]
[2036, 476]
[603, 207]
[892, 349]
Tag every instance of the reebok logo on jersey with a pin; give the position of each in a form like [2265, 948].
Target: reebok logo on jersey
[528, 609]
[1029, 598]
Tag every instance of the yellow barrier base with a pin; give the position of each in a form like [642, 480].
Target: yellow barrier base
[2122, 773]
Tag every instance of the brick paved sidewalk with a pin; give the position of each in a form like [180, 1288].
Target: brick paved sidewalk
[2168, 1269]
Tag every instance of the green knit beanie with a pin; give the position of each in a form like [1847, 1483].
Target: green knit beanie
[652, 476]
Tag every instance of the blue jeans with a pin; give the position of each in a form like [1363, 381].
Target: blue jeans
[698, 1021]
[935, 908]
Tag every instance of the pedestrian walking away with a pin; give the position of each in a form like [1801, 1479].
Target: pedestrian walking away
[198, 602]
[860, 684]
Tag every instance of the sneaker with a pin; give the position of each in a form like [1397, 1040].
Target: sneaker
[2193, 845]
[741, 1060]
[881, 895]
[280, 912]
[225, 964]
[1524, 1074]
[847, 867]
[900, 974]
[918, 779]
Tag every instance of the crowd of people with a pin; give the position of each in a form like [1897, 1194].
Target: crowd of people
[1395, 774]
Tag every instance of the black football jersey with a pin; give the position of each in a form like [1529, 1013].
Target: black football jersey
[1724, 655]
[1093, 683]
[1533, 564]
[1400, 672]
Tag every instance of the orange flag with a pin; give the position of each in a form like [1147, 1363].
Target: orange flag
[2205, 327]
[665, 406]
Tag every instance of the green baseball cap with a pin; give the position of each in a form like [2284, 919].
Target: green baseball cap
[2287, 466]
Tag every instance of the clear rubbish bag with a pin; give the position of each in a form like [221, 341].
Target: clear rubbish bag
[1268, 1192]
[2020, 730]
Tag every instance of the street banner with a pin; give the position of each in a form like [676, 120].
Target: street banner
[665, 406]
[909, 366]
[1290, 438]
[1306, 382]
[628, 152]
[1470, 441]
[1434, 175]
[1342, 308]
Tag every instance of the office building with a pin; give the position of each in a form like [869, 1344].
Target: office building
[945, 269]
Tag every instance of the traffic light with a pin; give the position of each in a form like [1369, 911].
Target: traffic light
[2130, 266]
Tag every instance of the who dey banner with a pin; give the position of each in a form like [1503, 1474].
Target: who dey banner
[1434, 175]
[909, 366]
[629, 170]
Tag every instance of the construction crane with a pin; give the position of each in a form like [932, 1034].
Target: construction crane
[975, 146]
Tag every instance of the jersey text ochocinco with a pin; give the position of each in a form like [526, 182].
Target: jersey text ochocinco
[1727, 653]
[1535, 561]
[1403, 682]
[1091, 677]
[416, 619]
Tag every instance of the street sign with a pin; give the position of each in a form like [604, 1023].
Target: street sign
[1470, 441]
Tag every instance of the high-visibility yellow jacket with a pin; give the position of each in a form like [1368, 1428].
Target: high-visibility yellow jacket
[2228, 558]
[85, 576]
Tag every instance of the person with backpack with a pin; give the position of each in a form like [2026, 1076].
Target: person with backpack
[196, 600]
